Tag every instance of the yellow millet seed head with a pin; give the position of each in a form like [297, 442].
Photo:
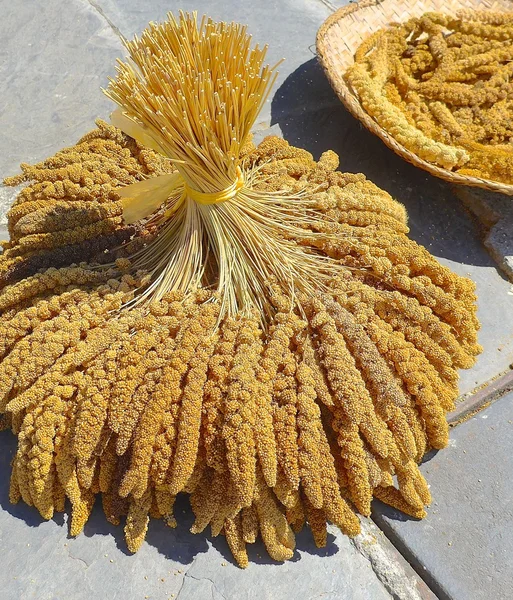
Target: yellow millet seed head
[282, 356]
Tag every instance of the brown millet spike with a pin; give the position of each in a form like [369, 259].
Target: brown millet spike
[295, 392]
[373, 309]
[441, 86]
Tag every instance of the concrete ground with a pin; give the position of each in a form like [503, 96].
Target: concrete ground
[54, 58]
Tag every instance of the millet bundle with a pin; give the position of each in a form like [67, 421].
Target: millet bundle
[182, 311]
[442, 87]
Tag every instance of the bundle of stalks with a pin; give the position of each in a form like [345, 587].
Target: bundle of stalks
[441, 86]
[182, 311]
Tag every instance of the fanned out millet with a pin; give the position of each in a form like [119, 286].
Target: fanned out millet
[441, 85]
[296, 402]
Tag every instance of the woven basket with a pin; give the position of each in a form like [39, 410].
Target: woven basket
[344, 31]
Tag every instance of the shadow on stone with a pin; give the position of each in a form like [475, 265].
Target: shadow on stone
[177, 544]
[311, 116]
[379, 510]
[429, 456]
[180, 545]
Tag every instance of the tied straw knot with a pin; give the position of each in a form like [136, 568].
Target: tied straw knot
[216, 197]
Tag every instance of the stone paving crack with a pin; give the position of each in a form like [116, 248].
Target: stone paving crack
[481, 399]
[214, 587]
[327, 3]
[185, 575]
[97, 8]
[87, 565]
[393, 575]
[181, 588]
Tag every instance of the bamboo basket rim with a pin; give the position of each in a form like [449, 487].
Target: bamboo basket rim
[335, 69]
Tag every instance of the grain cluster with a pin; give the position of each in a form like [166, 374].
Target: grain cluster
[295, 401]
[441, 86]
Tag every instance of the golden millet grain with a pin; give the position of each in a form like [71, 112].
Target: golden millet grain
[303, 417]
[441, 86]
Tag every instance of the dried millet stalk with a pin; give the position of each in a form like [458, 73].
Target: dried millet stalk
[442, 87]
[286, 379]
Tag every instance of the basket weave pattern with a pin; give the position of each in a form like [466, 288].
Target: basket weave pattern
[342, 33]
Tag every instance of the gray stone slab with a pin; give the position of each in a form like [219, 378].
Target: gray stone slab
[7, 196]
[3, 232]
[464, 546]
[500, 243]
[495, 214]
[336, 4]
[40, 562]
[53, 60]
